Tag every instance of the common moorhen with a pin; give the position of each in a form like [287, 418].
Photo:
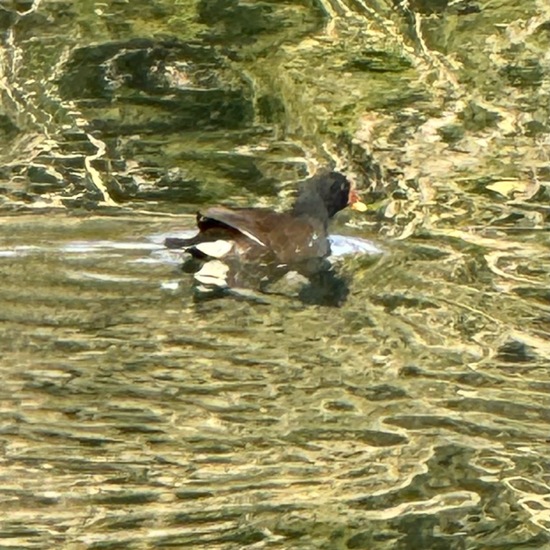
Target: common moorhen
[248, 247]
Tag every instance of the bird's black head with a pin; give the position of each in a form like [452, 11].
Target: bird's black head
[328, 189]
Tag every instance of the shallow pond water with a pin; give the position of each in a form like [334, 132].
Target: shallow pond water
[133, 417]
[415, 416]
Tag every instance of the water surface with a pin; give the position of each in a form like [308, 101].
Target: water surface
[415, 416]
[134, 417]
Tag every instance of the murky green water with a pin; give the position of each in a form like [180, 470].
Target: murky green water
[415, 416]
[134, 418]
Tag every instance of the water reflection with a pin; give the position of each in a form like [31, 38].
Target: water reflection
[414, 416]
[155, 420]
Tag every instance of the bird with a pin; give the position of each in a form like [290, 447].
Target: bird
[250, 248]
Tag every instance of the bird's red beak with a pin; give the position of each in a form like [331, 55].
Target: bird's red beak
[355, 202]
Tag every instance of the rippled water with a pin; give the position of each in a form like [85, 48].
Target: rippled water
[415, 416]
[134, 418]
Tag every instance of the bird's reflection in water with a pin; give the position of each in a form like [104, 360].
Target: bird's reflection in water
[314, 282]
[326, 287]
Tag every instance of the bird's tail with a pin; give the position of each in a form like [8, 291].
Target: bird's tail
[176, 242]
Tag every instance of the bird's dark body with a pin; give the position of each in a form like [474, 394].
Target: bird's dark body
[259, 245]
[260, 234]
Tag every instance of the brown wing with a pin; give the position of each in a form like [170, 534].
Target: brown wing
[254, 223]
[291, 239]
[299, 239]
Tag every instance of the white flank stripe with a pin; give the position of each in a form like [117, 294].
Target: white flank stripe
[252, 237]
